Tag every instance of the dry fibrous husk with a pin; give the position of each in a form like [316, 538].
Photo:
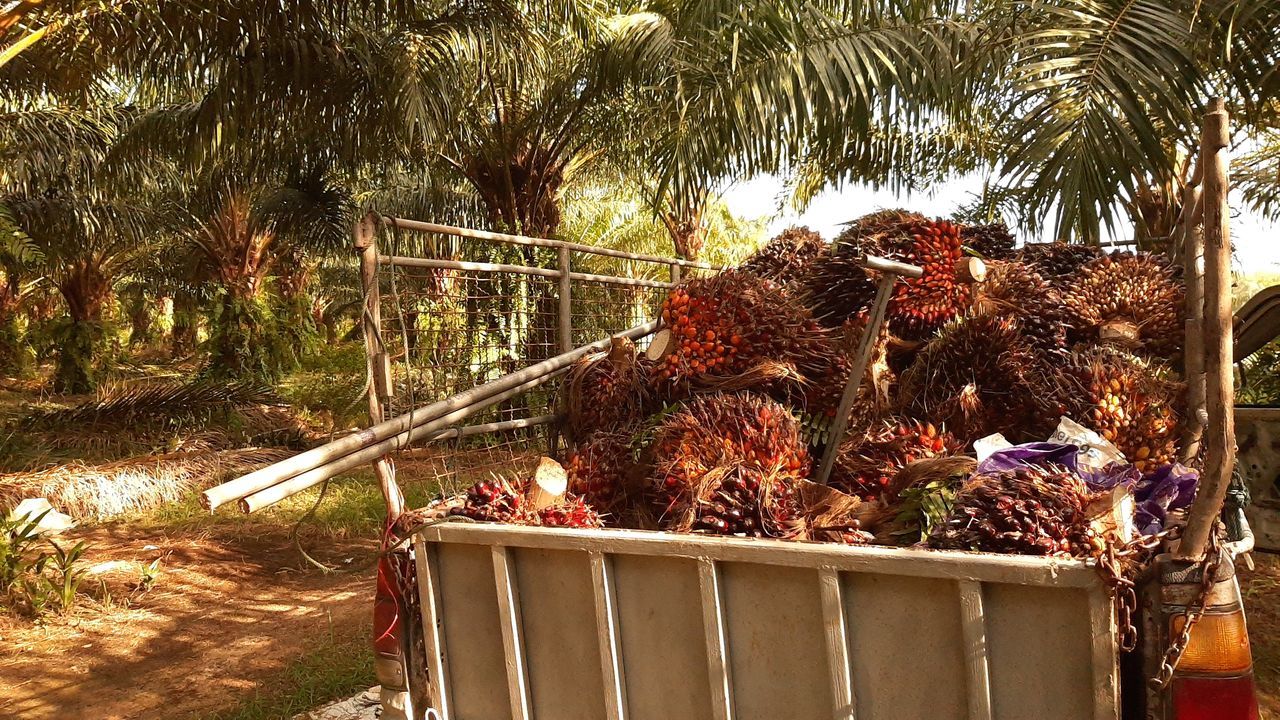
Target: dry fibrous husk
[1134, 301]
[786, 257]
[980, 376]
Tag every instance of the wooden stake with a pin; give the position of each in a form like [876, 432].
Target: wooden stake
[1219, 388]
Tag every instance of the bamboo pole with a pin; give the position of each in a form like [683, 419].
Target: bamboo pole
[366, 244]
[275, 493]
[314, 458]
[1219, 388]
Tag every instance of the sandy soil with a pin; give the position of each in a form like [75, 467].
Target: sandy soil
[225, 616]
[1261, 590]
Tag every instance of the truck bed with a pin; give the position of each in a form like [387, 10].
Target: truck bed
[586, 624]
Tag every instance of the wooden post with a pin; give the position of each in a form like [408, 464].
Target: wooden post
[1220, 437]
[365, 237]
[1189, 236]
[675, 273]
[566, 302]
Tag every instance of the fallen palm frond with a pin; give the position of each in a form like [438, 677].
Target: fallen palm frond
[106, 490]
[165, 401]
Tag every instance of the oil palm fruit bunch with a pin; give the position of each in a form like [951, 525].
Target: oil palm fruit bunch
[1057, 262]
[749, 501]
[1131, 402]
[717, 431]
[786, 257]
[599, 469]
[728, 324]
[836, 288]
[1015, 289]
[981, 376]
[1134, 300]
[820, 397]
[574, 512]
[1026, 511]
[607, 390]
[492, 500]
[989, 242]
[867, 463]
[920, 306]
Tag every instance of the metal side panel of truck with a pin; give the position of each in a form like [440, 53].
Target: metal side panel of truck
[586, 625]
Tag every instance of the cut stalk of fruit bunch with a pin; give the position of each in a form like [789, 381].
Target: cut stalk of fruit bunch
[1133, 300]
[981, 376]
[787, 257]
[868, 462]
[1027, 511]
[715, 433]
[1131, 402]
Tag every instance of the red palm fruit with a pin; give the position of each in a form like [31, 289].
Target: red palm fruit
[867, 463]
[573, 512]
[492, 500]
[606, 391]
[1057, 262]
[599, 468]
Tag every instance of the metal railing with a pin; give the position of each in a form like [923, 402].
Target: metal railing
[464, 330]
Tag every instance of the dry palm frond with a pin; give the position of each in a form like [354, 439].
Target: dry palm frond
[165, 401]
[102, 491]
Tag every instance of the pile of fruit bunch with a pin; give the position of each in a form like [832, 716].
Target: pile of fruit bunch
[731, 323]
[981, 376]
[1133, 403]
[694, 448]
[1058, 262]
[1016, 290]
[606, 391]
[989, 242]
[1026, 511]
[746, 500]
[786, 257]
[599, 469]
[867, 463]
[494, 500]
[1132, 300]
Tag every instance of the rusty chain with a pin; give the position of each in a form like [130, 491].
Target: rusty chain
[1173, 654]
[1122, 586]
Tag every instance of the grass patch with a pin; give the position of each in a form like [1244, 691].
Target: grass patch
[340, 666]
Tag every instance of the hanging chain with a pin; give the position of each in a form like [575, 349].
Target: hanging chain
[1122, 586]
[1195, 610]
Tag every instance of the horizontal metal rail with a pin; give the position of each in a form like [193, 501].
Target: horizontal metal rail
[401, 261]
[422, 226]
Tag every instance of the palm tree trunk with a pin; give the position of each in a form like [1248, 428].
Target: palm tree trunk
[13, 354]
[140, 320]
[185, 325]
[85, 290]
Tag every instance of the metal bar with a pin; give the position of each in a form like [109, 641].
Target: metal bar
[869, 335]
[275, 493]
[1219, 381]
[421, 226]
[493, 427]
[365, 241]
[1106, 661]
[566, 300]
[615, 686]
[512, 633]
[327, 453]
[612, 280]
[973, 626]
[432, 627]
[939, 564]
[717, 640]
[839, 664]
[435, 264]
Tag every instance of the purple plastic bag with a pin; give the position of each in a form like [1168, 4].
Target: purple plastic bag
[1170, 487]
[1040, 454]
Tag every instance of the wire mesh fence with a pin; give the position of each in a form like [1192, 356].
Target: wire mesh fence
[460, 312]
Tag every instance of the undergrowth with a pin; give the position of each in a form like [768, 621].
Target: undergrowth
[37, 575]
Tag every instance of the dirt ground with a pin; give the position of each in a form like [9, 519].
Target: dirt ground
[224, 619]
[1261, 589]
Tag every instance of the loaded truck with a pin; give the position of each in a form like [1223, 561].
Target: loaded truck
[476, 620]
